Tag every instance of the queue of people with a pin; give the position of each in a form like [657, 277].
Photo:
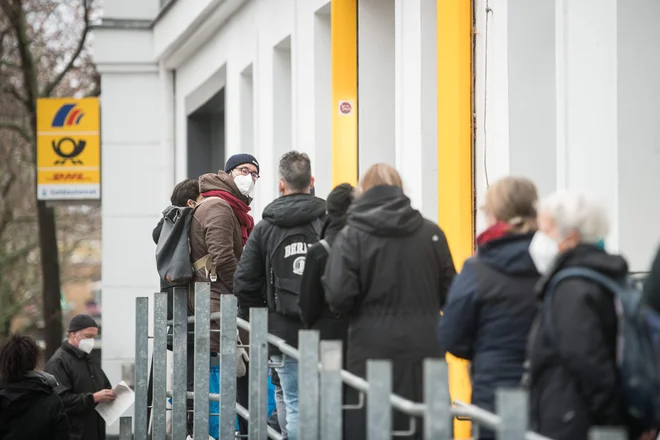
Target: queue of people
[366, 268]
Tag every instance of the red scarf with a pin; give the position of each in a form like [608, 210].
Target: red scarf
[498, 230]
[240, 211]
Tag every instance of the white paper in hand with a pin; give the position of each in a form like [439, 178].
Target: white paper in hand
[111, 411]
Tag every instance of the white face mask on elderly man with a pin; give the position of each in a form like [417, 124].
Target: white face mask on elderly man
[245, 184]
[543, 250]
[86, 345]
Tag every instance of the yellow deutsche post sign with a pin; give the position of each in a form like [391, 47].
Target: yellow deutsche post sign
[68, 149]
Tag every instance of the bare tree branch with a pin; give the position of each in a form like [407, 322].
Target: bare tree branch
[16, 128]
[81, 45]
[11, 90]
[16, 16]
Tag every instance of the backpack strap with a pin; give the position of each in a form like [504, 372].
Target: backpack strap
[206, 263]
[573, 272]
[325, 245]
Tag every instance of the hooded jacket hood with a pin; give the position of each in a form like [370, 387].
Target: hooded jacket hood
[385, 211]
[294, 210]
[221, 182]
[16, 398]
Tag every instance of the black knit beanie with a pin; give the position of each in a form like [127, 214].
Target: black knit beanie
[339, 199]
[81, 322]
[239, 159]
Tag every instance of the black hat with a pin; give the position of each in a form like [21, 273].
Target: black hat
[340, 199]
[81, 322]
[240, 159]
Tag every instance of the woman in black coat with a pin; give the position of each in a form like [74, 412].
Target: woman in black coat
[29, 407]
[314, 309]
[389, 271]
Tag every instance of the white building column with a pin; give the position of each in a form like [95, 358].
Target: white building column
[136, 138]
[376, 82]
[415, 104]
[638, 101]
[587, 103]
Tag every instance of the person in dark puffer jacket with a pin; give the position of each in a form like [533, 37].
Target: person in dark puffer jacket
[389, 271]
[30, 409]
[491, 304]
[314, 310]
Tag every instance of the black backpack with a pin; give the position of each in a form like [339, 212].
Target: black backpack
[638, 343]
[285, 265]
[173, 248]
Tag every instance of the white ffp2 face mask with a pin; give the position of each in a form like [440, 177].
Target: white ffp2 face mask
[86, 345]
[245, 184]
[543, 250]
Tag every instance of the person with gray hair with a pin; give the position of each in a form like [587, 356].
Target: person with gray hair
[572, 348]
[271, 268]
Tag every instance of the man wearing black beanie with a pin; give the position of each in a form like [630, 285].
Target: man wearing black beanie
[82, 382]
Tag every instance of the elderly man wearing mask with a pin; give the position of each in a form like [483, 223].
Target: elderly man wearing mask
[81, 382]
[573, 359]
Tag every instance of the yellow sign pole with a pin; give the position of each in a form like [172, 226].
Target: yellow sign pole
[455, 168]
[344, 92]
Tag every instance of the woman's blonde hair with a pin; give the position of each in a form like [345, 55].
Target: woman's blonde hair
[513, 200]
[380, 174]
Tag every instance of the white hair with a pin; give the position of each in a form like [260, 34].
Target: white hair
[574, 211]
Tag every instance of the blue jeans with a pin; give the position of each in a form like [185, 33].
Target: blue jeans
[288, 375]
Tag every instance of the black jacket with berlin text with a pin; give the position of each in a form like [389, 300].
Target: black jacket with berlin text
[389, 271]
[32, 410]
[250, 277]
[79, 377]
[575, 383]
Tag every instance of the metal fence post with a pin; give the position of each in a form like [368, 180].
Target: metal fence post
[160, 367]
[511, 406]
[228, 343]
[437, 417]
[125, 428]
[141, 366]
[180, 371]
[202, 360]
[258, 400]
[308, 380]
[331, 390]
[607, 433]
[379, 412]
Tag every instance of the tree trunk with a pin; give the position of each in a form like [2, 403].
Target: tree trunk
[50, 268]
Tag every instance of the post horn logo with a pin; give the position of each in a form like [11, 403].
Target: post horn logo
[68, 154]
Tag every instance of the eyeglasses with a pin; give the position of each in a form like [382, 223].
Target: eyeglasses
[246, 171]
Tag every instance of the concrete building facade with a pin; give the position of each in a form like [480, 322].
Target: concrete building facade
[454, 93]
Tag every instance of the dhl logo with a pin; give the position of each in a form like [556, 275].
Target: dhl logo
[68, 177]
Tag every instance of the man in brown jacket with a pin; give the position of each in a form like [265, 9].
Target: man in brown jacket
[219, 229]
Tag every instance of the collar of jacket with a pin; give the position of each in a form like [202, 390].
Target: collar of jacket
[73, 350]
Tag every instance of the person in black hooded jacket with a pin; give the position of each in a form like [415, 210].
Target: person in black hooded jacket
[278, 246]
[30, 409]
[491, 304]
[389, 272]
[314, 309]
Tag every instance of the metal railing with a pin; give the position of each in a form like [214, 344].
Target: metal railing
[320, 375]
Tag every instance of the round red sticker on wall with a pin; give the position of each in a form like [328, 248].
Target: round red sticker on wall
[345, 108]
